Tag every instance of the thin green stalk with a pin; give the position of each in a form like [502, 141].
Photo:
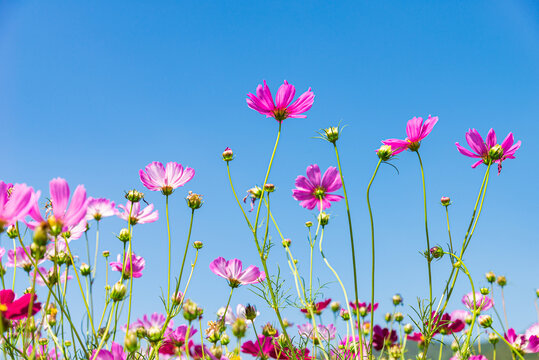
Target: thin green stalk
[185, 252]
[169, 252]
[236, 196]
[15, 259]
[226, 307]
[201, 336]
[504, 310]
[441, 348]
[449, 231]
[104, 337]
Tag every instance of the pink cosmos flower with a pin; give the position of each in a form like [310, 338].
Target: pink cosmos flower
[489, 150]
[482, 302]
[42, 352]
[23, 261]
[314, 190]
[318, 307]
[100, 208]
[417, 130]
[325, 333]
[175, 340]
[533, 330]
[133, 266]
[383, 338]
[232, 270]
[153, 322]
[155, 177]
[49, 276]
[230, 317]
[360, 305]
[138, 216]
[252, 347]
[472, 357]
[522, 343]
[346, 348]
[15, 202]
[448, 324]
[12, 309]
[116, 353]
[280, 109]
[64, 216]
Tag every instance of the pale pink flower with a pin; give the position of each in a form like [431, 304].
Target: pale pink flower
[280, 109]
[416, 130]
[314, 190]
[158, 178]
[47, 274]
[482, 302]
[230, 317]
[152, 322]
[133, 266]
[138, 216]
[100, 208]
[232, 270]
[15, 202]
[325, 333]
[23, 261]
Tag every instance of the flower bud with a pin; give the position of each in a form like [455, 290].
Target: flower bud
[384, 152]
[134, 196]
[468, 319]
[269, 188]
[12, 232]
[198, 245]
[85, 269]
[331, 134]
[141, 332]
[395, 351]
[225, 340]
[537, 292]
[437, 252]
[194, 201]
[106, 253]
[269, 330]
[43, 341]
[323, 218]
[190, 310]
[281, 340]
[154, 334]
[397, 299]
[308, 224]
[491, 277]
[398, 317]
[55, 227]
[455, 346]
[484, 291]
[335, 306]
[131, 341]
[177, 298]
[493, 338]
[124, 235]
[40, 235]
[446, 201]
[286, 243]
[485, 321]
[362, 311]
[495, 152]
[213, 332]
[502, 281]
[239, 327]
[388, 317]
[37, 251]
[408, 328]
[217, 351]
[345, 315]
[228, 154]
[250, 312]
[118, 291]
[67, 343]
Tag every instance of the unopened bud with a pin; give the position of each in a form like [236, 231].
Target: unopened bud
[345, 315]
[388, 317]
[134, 195]
[154, 334]
[485, 321]
[124, 235]
[106, 254]
[537, 292]
[269, 188]
[468, 319]
[362, 311]
[269, 330]
[85, 269]
[384, 152]
[217, 351]
[408, 328]
[43, 341]
[484, 291]
[495, 152]
[12, 232]
[308, 224]
[493, 338]
[397, 299]
[437, 252]
[67, 343]
[502, 281]
[141, 332]
[398, 317]
[445, 201]
[131, 341]
[335, 306]
[332, 134]
[225, 340]
[194, 201]
[239, 327]
[190, 310]
[177, 298]
[118, 291]
[250, 312]
[455, 346]
[228, 154]
[198, 245]
[286, 243]
[323, 218]
[491, 277]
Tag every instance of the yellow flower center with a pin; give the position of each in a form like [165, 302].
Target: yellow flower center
[3, 307]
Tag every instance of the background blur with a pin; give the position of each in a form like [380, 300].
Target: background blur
[93, 92]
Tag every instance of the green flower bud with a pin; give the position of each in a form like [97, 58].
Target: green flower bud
[228, 154]
[250, 312]
[269, 188]
[85, 270]
[198, 245]
[408, 328]
[308, 224]
[269, 330]
[239, 327]
[118, 291]
[493, 338]
[124, 235]
[335, 306]
[502, 281]
[323, 218]
[225, 340]
[398, 317]
[491, 277]
[484, 291]
[485, 321]
[134, 195]
[194, 201]
[286, 243]
[495, 152]
[397, 299]
[131, 342]
[384, 152]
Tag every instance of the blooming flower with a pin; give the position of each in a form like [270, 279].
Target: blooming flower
[174, 341]
[12, 309]
[482, 303]
[472, 357]
[416, 130]
[21, 258]
[100, 208]
[489, 150]
[348, 349]
[51, 277]
[383, 337]
[232, 270]
[153, 322]
[263, 351]
[364, 305]
[138, 216]
[318, 307]
[253, 193]
[230, 317]
[314, 190]
[133, 267]
[325, 333]
[447, 324]
[63, 216]
[417, 337]
[116, 353]
[156, 177]
[281, 109]
[42, 352]
[15, 202]
[522, 343]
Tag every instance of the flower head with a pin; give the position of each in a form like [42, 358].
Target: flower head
[175, 340]
[116, 353]
[482, 302]
[154, 321]
[156, 177]
[325, 333]
[15, 202]
[522, 343]
[100, 208]
[416, 130]
[12, 309]
[137, 216]
[280, 109]
[383, 338]
[314, 190]
[20, 258]
[232, 270]
[230, 317]
[489, 150]
[133, 267]
[318, 307]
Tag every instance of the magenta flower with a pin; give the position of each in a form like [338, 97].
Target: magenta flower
[116, 353]
[17, 309]
[175, 340]
[416, 130]
[318, 307]
[100, 208]
[138, 216]
[15, 202]
[153, 322]
[42, 352]
[133, 267]
[383, 338]
[360, 305]
[489, 150]
[314, 190]
[281, 109]
[232, 270]
[482, 302]
[522, 343]
[472, 357]
[253, 347]
[156, 178]
[64, 216]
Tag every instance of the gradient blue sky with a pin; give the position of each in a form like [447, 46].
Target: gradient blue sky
[94, 91]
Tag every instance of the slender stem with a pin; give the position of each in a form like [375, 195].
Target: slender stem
[494, 307]
[96, 249]
[226, 307]
[373, 255]
[504, 309]
[201, 336]
[441, 348]
[186, 248]
[104, 337]
[449, 232]
[258, 340]
[169, 253]
[236, 196]
[15, 258]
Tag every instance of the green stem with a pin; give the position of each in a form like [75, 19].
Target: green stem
[169, 253]
[104, 337]
[186, 248]
[226, 307]
[236, 196]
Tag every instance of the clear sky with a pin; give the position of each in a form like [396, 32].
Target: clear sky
[94, 91]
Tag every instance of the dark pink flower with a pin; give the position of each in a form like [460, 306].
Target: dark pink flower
[100, 208]
[522, 343]
[318, 307]
[138, 216]
[360, 305]
[158, 178]
[383, 338]
[43, 353]
[416, 130]
[116, 353]
[281, 109]
[15, 202]
[417, 337]
[314, 190]
[63, 216]
[447, 324]
[175, 340]
[252, 347]
[133, 267]
[232, 270]
[12, 309]
[489, 150]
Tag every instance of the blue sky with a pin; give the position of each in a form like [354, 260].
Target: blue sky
[92, 92]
